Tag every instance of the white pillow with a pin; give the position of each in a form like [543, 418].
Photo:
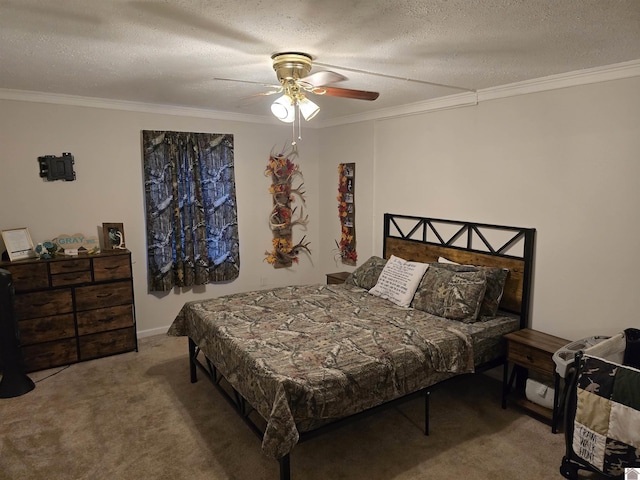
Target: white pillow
[445, 260]
[399, 280]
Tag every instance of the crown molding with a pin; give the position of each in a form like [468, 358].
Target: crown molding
[158, 109]
[571, 79]
[553, 82]
[442, 103]
[563, 80]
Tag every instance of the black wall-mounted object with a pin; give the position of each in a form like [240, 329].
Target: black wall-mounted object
[14, 381]
[57, 168]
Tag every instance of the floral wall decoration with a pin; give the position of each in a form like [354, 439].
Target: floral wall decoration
[347, 213]
[284, 216]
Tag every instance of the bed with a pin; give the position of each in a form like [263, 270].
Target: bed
[297, 360]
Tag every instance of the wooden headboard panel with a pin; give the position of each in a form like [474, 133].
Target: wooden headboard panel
[425, 239]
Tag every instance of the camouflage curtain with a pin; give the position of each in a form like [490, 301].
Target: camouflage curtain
[192, 223]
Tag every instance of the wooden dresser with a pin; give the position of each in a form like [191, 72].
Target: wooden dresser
[71, 309]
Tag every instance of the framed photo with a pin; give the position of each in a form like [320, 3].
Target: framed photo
[113, 236]
[18, 243]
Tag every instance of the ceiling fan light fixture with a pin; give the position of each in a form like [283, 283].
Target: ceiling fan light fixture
[308, 108]
[284, 109]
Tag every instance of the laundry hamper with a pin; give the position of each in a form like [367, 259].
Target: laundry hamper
[602, 408]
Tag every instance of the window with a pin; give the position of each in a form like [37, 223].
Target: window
[191, 216]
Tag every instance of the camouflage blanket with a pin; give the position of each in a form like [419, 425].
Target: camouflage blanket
[606, 431]
[303, 356]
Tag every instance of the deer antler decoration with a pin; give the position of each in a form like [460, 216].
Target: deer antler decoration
[283, 171]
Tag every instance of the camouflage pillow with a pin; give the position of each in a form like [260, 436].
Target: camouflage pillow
[496, 277]
[450, 294]
[366, 275]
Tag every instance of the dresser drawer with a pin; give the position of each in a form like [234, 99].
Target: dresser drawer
[31, 276]
[38, 330]
[50, 354]
[66, 266]
[100, 296]
[530, 357]
[103, 319]
[43, 304]
[70, 278]
[111, 268]
[107, 343]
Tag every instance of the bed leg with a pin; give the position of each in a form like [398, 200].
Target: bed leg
[285, 468]
[192, 361]
[427, 394]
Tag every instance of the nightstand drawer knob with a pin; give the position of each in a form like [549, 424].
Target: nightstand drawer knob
[530, 358]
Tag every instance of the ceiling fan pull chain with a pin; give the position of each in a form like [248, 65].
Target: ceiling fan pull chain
[293, 133]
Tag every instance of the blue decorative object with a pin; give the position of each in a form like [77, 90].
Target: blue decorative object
[46, 250]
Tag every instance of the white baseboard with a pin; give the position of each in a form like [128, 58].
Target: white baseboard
[152, 331]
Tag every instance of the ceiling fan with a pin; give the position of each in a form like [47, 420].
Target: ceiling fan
[295, 83]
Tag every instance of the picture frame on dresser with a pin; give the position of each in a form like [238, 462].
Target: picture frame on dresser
[18, 243]
[113, 236]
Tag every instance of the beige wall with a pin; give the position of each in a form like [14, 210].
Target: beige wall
[566, 162]
[109, 188]
[563, 161]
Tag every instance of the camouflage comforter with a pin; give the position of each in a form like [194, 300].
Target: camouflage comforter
[303, 356]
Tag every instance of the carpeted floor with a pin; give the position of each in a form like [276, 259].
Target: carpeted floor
[136, 416]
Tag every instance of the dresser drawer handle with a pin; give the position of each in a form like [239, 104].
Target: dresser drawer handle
[40, 304]
[530, 358]
[104, 295]
[112, 268]
[107, 320]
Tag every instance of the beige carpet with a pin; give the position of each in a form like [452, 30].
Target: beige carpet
[137, 416]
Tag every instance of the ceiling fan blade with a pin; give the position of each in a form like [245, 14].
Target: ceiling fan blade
[271, 92]
[324, 77]
[268, 85]
[347, 93]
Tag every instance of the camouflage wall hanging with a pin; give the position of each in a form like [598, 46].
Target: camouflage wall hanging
[284, 216]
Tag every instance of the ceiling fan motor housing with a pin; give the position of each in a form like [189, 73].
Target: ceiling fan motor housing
[291, 65]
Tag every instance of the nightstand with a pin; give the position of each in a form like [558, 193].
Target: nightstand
[530, 350]
[337, 277]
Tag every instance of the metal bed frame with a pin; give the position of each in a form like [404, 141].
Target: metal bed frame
[421, 232]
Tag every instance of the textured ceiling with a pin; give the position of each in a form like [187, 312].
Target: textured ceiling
[169, 52]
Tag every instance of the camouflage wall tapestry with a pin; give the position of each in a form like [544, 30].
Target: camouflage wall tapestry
[190, 197]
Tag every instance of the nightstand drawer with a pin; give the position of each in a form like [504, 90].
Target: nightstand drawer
[530, 357]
